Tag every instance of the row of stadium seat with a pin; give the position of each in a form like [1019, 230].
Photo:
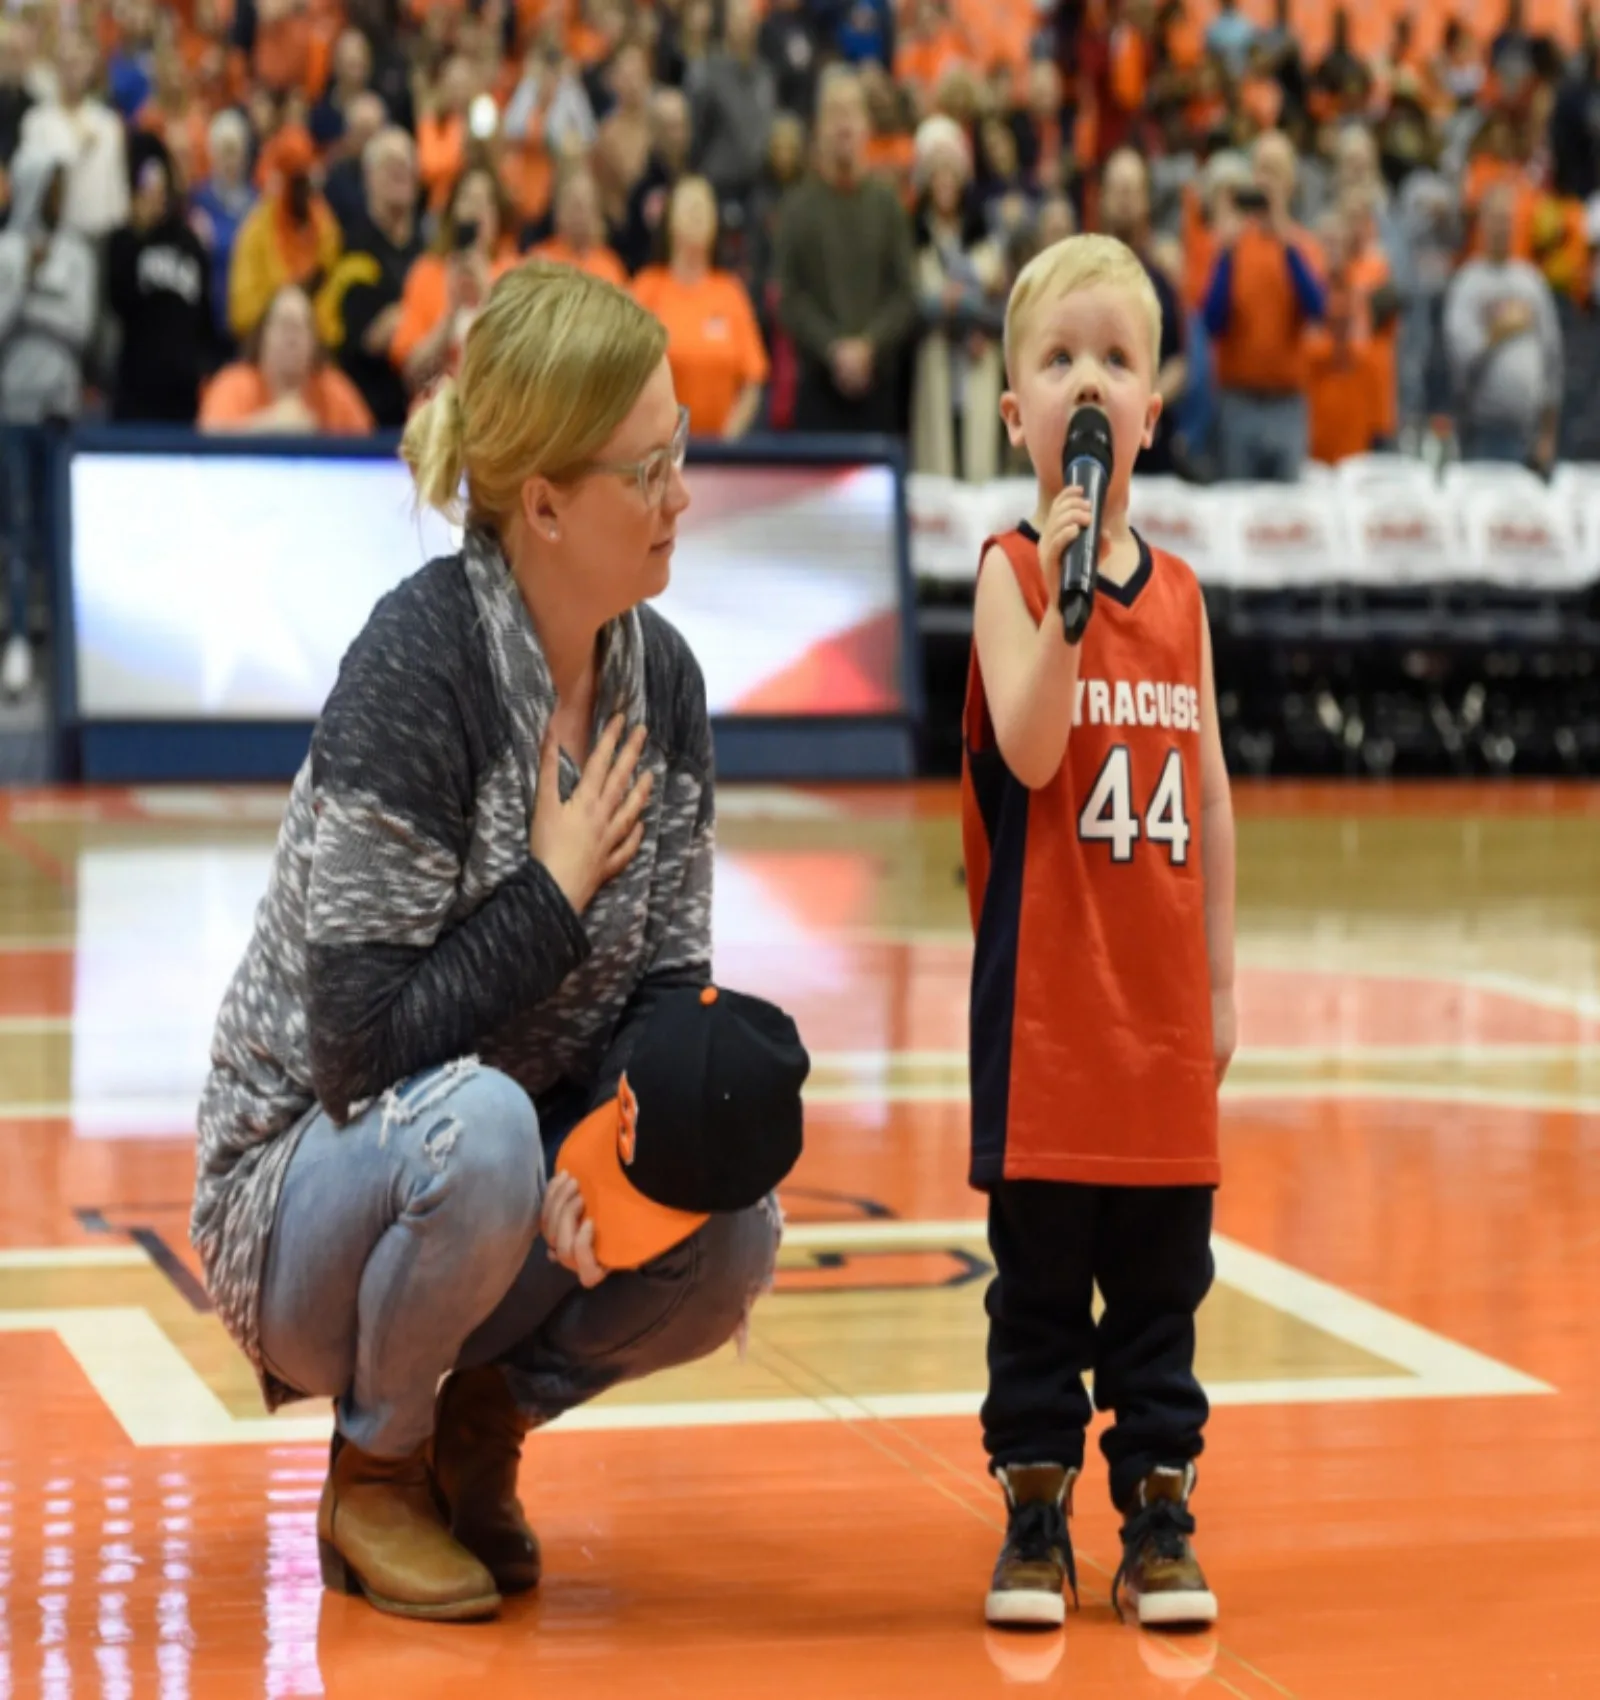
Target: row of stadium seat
[1375, 522]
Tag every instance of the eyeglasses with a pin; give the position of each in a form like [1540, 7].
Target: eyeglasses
[654, 472]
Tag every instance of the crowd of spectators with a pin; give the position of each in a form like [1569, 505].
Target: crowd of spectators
[1366, 230]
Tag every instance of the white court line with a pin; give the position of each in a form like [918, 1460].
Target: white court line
[1541, 993]
[1449, 1370]
[60, 809]
[73, 1257]
[1319, 1304]
[176, 1115]
[160, 1400]
[866, 1062]
[1414, 1092]
[266, 804]
[877, 1063]
[146, 1382]
[1538, 993]
[1286, 1091]
[1466, 1051]
[112, 1113]
[881, 1235]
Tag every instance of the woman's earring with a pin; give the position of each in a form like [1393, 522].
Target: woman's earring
[555, 534]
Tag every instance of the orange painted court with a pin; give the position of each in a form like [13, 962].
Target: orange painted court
[1399, 1495]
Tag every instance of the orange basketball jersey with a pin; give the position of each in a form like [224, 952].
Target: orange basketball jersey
[1091, 987]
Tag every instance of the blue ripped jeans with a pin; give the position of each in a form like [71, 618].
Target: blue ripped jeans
[407, 1245]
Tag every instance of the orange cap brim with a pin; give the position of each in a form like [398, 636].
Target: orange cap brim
[629, 1229]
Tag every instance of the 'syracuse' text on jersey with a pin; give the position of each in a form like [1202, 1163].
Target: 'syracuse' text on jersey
[1091, 988]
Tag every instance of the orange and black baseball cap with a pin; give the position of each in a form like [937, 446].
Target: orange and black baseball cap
[698, 1112]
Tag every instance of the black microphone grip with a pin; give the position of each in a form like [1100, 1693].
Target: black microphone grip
[1078, 563]
[1086, 459]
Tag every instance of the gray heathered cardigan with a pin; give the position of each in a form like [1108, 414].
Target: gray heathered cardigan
[405, 922]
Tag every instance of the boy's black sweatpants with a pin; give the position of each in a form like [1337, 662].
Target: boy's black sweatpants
[1149, 1251]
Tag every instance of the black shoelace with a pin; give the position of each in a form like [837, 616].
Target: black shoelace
[1038, 1535]
[1163, 1529]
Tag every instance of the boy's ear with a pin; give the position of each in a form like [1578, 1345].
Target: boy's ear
[1011, 413]
[1151, 414]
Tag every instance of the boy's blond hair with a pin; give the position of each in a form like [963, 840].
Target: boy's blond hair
[1081, 262]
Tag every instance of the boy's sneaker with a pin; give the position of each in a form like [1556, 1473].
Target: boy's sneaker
[1035, 1566]
[1159, 1572]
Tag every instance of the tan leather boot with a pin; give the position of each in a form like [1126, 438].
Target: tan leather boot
[1035, 1567]
[1159, 1572]
[478, 1431]
[380, 1533]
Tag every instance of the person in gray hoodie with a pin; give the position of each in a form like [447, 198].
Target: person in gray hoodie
[1504, 346]
[48, 287]
[735, 96]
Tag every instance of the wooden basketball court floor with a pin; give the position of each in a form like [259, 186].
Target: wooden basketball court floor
[1401, 1496]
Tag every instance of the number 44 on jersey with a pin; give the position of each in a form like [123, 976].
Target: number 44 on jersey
[1108, 811]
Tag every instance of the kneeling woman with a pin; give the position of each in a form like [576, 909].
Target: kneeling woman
[500, 843]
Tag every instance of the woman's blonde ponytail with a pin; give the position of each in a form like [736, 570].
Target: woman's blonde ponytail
[433, 448]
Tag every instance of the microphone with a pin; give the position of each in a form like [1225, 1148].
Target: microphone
[1086, 462]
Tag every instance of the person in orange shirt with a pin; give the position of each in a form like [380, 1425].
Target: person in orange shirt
[1368, 278]
[173, 114]
[526, 167]
[442, 132]
[1120, 96]
[1378, 300]
[594, 28]
[1205, 107]
[929, 44]
[1369, 235]
[1494, 164]
[291, 237]
[1260, 92]
[284, 386]
[580, 229]
[714, 347]
[446, 286]
[201, 28]
[1264, 291]
[890, 149]
[1348, 406]
[1046, 134]
[1180, 45]
[290, 52]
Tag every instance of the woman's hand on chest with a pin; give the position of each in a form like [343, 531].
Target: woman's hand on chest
[592, 836]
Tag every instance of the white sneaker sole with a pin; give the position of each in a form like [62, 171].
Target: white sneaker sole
[1012, 1608]
[1165, 1611]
